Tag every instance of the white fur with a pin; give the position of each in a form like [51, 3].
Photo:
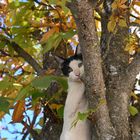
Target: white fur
[75, 102]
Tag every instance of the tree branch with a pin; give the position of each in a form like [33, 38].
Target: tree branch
[28, 58]
[106, 36]
[135, 16]
[116, 87]
[134, 24]
[132, 70]
[31, 131]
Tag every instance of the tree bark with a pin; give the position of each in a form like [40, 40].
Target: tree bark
[113, 83]
[116, 75]
[117, 89]
[95, 87]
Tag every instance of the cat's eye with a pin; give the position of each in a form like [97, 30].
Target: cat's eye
[70, 69]
[80, 64]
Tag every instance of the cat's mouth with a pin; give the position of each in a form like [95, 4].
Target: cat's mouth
[80, 79]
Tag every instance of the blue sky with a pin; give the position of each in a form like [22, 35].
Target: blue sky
[5, 123]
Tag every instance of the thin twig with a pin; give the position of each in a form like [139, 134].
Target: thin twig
[51, 8]
[6, 32]
[34, 134]
[135, 16]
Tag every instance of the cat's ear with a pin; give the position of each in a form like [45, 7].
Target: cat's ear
[59, 59]
[78, 50]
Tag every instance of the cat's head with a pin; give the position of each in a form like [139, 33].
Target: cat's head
[73, 68]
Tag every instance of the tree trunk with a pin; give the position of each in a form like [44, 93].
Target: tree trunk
[95, 87]
[109, 123]
[117, 89]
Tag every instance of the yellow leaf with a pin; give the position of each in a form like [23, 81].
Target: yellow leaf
[119, 4]
[114, 5]
[2, 114]
[10, 1]
[56, 106]
[111, 25]
[137, 21]
[13, 94]
[134, 95]
[122, 23]
[136, 3]
[131, 49]
[123, 1]
[19, 109]
[123, 6]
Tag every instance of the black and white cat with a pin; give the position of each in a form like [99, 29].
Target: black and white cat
[76, 101]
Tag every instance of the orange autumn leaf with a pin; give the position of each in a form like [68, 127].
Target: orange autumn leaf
[50, 71]
[121, 4]
[37, 109]
[70, 52]
[48, 34]
[19, 109]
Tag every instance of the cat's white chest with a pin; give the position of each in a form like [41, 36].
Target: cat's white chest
[75, 102]
[75, 97]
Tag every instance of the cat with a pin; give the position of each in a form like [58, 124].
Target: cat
[76, 101]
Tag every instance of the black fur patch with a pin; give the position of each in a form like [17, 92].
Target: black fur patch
[65, 65]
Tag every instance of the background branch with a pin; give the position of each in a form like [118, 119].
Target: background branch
[28, 58]
[31, 131]
[132, 70]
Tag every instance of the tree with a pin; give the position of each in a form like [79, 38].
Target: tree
[34, 32]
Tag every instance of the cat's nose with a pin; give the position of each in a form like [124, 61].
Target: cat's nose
[77, 73]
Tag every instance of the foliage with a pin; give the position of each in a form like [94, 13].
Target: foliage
[41, 27]
[81, 116]
[133, 110]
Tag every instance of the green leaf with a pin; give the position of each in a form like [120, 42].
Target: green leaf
[4, 104]
[5, 85]
[62, 81]
[60, 112]
[133, 110]
[36, 94]
[42, 82]
[82, 116]
[68, 34]
[2, 44]
[11, 50]
[45, 81]
[24, 92]
[17, 30]
[63, 5]
[53, 1]
[2, 66]
[52, 42]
